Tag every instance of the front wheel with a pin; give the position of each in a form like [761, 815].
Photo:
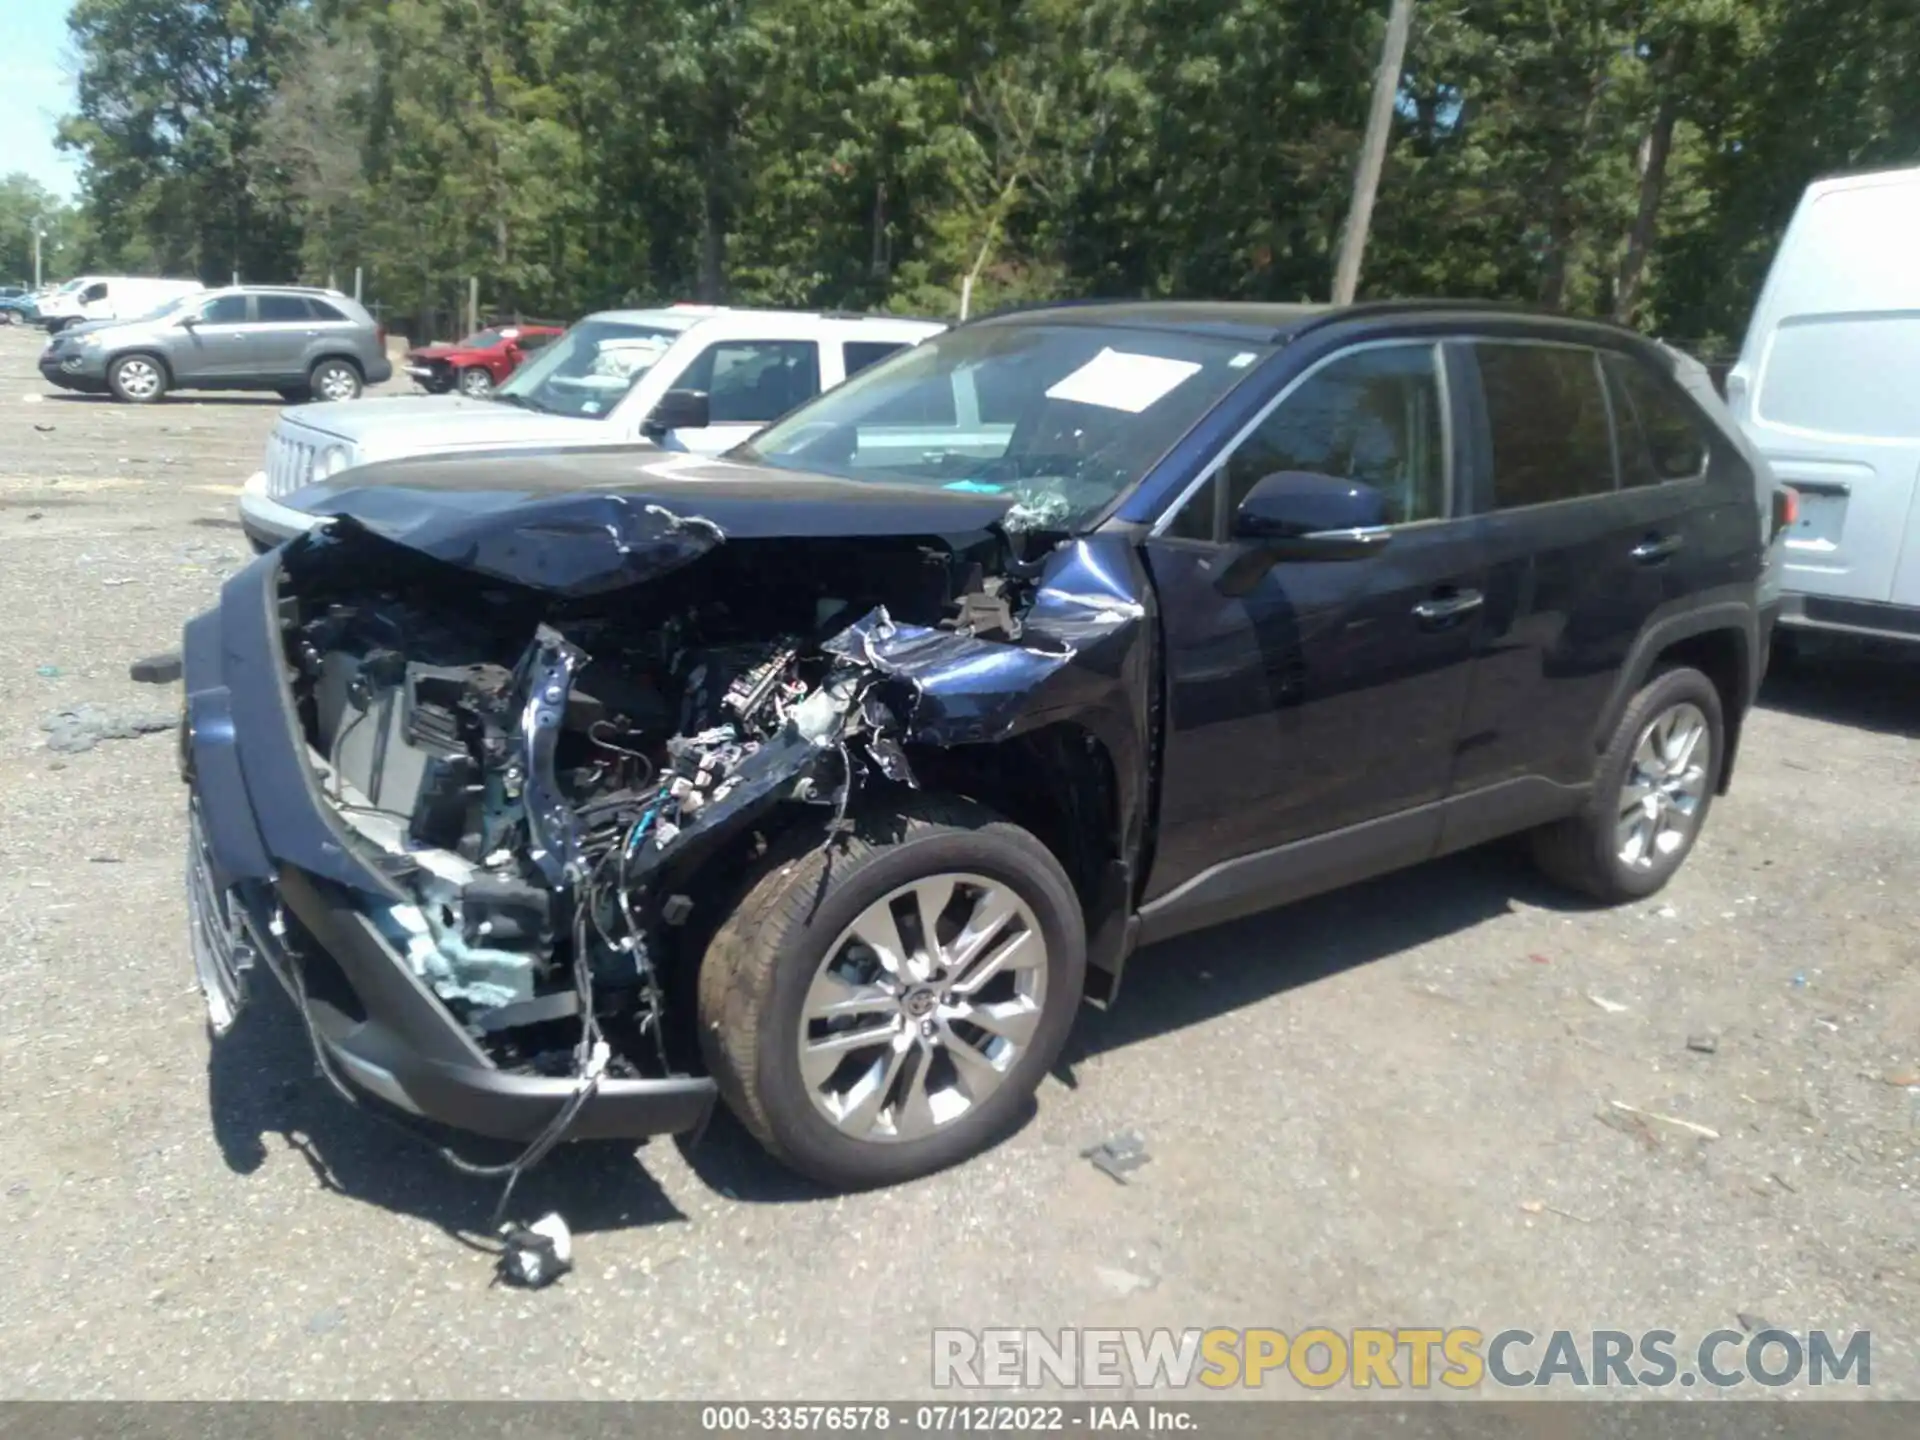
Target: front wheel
[883, 1007]
[334, 380]
[1651, 793]
[137, 379]
[476, 383]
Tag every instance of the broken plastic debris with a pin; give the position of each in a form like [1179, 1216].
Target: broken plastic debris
[156, 669]
[1612, 1007]
[1117, 1156]
[1702, 1044]
[536, 1255]
[47, 671]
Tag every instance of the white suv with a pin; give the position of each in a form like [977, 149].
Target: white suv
[691, 377]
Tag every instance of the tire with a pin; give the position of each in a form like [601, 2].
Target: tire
[335, 380]
[475, 382]
[758, 980]
[1594, 851]
[137, 379]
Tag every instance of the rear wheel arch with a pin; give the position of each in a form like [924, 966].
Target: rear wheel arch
[1719, 641]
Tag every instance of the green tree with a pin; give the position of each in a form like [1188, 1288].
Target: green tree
[170, 98]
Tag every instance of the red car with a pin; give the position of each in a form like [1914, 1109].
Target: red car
[475, 365]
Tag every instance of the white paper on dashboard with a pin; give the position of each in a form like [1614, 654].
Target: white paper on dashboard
[1119, 380]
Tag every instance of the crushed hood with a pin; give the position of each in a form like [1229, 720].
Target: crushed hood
[582, 522]
[402, 424]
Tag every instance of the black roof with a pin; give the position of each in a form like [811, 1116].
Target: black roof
[1256, 322]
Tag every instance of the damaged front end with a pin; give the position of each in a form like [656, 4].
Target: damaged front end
[540, 754]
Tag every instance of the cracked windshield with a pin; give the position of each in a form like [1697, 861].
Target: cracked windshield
[1063, 418]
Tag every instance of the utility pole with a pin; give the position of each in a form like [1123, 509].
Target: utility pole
[1373, 152]
[38, 235]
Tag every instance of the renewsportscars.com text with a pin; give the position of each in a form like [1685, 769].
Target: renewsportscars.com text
[1413, 1358]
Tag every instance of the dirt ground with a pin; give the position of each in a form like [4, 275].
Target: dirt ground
[1389, 1107]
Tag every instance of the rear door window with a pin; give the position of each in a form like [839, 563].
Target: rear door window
[323, 311]
[284, 310]
[1547, 422]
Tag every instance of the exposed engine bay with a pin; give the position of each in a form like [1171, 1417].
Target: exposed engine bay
[548, 781]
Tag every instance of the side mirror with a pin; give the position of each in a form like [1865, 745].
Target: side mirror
[1298, 515]
[678, 410]
[187, 322]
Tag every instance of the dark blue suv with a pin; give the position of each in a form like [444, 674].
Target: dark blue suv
[569, 791]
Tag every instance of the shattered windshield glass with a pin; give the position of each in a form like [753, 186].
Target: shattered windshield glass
[588, 370]
[1063, 418]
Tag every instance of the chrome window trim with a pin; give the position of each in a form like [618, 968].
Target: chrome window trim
[1433, 344]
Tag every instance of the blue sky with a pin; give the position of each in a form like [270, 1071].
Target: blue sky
[39, 90]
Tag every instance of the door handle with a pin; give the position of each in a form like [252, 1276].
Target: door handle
[1655, 548]
[1442, 608]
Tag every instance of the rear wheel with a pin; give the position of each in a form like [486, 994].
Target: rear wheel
[1651, 794]
[334, 380]
[137, 379]
[476, 382]
[879, 1009]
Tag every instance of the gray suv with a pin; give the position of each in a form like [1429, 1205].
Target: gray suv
[303, 343]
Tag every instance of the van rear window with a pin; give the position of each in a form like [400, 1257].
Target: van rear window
[1851, 375]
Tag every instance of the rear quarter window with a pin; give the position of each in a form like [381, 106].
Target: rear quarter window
[1662, 435]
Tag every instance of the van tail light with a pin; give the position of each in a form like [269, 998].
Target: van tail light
[380, 337]
[1786, 508]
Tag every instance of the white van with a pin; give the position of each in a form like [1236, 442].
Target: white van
[110, 297]
[1828, 388]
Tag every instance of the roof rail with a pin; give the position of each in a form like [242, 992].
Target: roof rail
[1334, 315]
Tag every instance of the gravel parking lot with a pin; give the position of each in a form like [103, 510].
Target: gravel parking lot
[1389, 1107]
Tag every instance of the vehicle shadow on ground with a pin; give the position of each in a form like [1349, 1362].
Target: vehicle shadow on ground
[264, 1094]
[263, 1090]
[191, 397]
[1200, 977]
[1847, 685]
[1196, 978]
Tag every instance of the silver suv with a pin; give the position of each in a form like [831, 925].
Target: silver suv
[303, 343]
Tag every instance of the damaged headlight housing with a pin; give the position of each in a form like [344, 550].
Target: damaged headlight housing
[331, 461]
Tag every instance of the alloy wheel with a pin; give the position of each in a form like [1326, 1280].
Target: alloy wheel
[1665, 787]
[476, 382]
[336, 382]
[922, 1007]
[139, 379]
